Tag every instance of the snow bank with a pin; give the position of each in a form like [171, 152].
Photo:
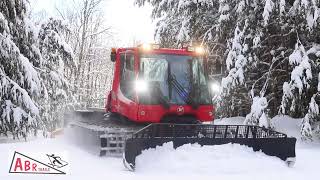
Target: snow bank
[229, 161]
[206, 160]
[230, 121]
[288, 125]
[285, 124]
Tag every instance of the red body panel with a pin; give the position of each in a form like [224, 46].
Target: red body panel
[118, 103]
[154, 113]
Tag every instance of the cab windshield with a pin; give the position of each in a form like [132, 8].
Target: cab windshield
[176, 79]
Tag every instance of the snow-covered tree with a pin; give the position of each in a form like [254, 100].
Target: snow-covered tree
[234, 83]
[310, 124]
[33, 62]
[236, 60]
[258, 114]
[303, 84]
[20, 83]
[57, 61]
[301, 76]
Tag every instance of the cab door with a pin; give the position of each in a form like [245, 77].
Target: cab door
[126, 94]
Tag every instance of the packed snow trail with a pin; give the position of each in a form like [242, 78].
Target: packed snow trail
[186, 162]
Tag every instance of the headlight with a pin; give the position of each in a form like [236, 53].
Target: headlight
[215, 87]
[141, 86]
[146, 47]
[199, 50]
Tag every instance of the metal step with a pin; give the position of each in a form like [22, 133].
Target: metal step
[112, 144]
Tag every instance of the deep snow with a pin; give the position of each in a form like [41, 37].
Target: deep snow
[186, 162]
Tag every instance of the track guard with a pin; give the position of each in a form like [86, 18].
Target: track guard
[268, 141]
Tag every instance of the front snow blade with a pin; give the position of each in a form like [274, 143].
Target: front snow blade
[268, 141]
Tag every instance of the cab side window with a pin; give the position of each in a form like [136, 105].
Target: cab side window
[127, 75]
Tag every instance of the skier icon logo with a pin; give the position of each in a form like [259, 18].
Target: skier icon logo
[56, 161]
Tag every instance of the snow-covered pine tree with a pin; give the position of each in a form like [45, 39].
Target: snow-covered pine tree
[301, 76]
[310, 124]
[268, 47]
[234, 83]
[303, 83]
[270, 38]
[32, 67]
[57, 60]
[235, 25]
[20, 83]
[301, 91]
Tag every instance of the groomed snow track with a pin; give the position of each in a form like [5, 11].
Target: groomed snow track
[268, 141]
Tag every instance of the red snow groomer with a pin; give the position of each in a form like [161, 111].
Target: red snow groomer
[161, 95]
[160, 85]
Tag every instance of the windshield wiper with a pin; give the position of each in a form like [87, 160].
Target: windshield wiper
[158, 93]
[181, 91]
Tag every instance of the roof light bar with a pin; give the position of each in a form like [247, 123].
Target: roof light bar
[191, 48]
[199, 50]
[149, 46]
[196, 49]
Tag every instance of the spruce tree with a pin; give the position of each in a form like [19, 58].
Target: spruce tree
[20, 83]
[33, 64]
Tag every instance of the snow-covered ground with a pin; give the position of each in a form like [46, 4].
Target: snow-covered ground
[186, 162]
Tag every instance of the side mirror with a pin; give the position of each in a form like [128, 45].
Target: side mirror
[113, 55]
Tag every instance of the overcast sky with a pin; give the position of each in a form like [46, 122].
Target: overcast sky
[129, 23]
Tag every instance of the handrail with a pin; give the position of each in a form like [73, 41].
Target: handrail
[168, 130]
